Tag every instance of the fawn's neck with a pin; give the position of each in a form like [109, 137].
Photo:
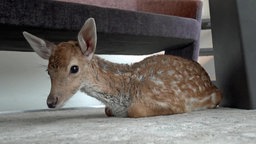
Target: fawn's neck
[107, 80]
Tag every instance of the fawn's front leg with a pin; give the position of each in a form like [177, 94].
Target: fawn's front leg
[108, 112]
[137, 110]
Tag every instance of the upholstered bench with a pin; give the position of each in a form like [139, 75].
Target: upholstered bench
[124, 26]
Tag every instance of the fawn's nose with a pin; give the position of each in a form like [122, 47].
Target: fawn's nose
[52, 102]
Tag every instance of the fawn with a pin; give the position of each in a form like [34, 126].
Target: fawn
[158, 85]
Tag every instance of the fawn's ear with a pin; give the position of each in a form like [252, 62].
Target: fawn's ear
[87, 38]
[42, 47]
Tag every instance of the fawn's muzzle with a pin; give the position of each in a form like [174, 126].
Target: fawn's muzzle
[52, 102]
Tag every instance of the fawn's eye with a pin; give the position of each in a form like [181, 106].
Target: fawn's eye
[74, 69]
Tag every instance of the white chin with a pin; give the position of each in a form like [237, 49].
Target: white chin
[60, 105]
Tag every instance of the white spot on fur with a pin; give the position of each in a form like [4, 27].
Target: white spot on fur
[192, 88]
[160, 72]
[176, 90]
[170, 72]
[155, 91]
[162, 104]
[156, 80]
[173, 83]
[192, 100]
[178, 77]
[191, 78]
[164, 61]
[200, 88]
[183, 86]
[140, 77]
[186, 73]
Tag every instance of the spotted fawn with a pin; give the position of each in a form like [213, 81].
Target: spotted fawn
[157, 85]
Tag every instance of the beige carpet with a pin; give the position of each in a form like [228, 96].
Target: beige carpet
[87, 125]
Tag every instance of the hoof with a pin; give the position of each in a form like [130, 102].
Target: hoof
[108, 112]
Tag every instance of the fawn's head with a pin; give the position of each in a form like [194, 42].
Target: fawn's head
[68, 62]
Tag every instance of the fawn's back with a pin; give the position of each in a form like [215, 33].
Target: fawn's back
[172, 85]
[158, 85]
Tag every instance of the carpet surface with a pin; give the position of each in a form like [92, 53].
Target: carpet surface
[88, 125]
